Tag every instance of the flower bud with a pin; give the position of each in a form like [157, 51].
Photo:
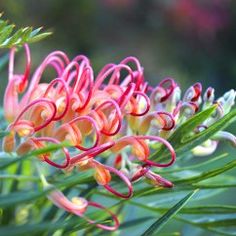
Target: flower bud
[102, 175]
[225, 136]
[9, 142]
[207, 148]
[227, 101]
[158, 180]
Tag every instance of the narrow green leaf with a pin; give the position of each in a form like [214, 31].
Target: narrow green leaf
[35, 32]
[39, 37]
[212, 225]
[156, 226]
[5, 32]
[15, 198]
[131, 223]
[208, 209]
[14, 39]
[3, 24]
[8, 38]
[48, 148]
[33, 229]
[182, 131]
[179, 139]
[213, 186]
[19, 177]
[191, 167]
[199, 138]
[190, 125]
[208, 174]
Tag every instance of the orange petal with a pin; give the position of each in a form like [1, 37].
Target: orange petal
[102, 175]
[9, 142]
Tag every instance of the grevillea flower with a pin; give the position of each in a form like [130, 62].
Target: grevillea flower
[113, 122]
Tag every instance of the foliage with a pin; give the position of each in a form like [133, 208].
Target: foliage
[21, 190]
[10, 38]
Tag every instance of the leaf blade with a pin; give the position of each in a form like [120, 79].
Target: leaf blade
[156, 226]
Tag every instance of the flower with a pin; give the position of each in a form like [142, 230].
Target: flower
[112, 127]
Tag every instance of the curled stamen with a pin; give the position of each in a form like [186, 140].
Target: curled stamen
[140, 173]
[91, 152]
[114, 72]
[23, 128]
[122, 177]
[38, 143]
[167, 144]
[168, 85]
[198, 90]
[139, 148]
[79, 206]
[138, 75]
[24, 78]
[69, 68]
[158, 180]
[165, 121]
[169, 122]
[67, 96]
[133, 60]
[93, 123]
[38, 102]
[147, 106]
[82, 60]
[58, 60]
[193, 93]
[209, 95]
[112, 121]
[16, 84]
[84, 80]
[102, 226]
[125, 97]
[188, 109]
[84, 85]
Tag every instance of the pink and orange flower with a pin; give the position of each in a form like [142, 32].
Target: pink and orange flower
[111, 127]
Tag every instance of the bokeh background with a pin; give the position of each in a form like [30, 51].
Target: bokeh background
[189, 40]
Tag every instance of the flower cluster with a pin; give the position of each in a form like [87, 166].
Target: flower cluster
[112, 122]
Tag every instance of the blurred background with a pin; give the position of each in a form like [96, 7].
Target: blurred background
[189, 40]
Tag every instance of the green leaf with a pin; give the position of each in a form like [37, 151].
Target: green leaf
[190, 125]
[48, 148]
[5, 32]
[208, 209]
[208, 174]
[39, 37]
[213, 224]
[15, 198]
[131, 223]
[156, 226]
[182, 142]
[33, 229]
[191, 167]
[8, 38]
